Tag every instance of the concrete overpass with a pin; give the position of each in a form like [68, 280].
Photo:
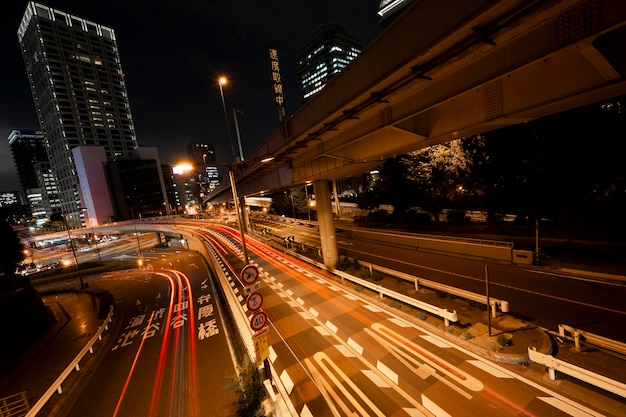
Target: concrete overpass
[444, 70]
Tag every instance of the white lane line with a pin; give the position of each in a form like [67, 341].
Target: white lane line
[313, 312]
[350, 296]
[433, 408]
[372, 308]
[345, 351]
[305, 315]
[488, 368]
[414, 412]
[322, 330]
[306, 412]
[436, 341]
[300, 301]
[354, 345]
[566, 408]
[333, 288]
[331, 327]
[292, 304]
[272, 355]
[290, 292]
[399, 322]
[387, 372]
[287, 382]
[375, 378]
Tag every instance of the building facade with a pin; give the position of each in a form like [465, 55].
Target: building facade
[328, 52]
[76, 79]
[34, 172]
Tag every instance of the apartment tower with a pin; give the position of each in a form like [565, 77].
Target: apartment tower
[78, 87]
[328, 52]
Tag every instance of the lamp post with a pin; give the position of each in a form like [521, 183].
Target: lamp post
[182, 167]
[222, 81]
[80, 277]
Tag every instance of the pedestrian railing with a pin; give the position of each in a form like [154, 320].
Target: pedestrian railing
[15, 405]
[74, 365]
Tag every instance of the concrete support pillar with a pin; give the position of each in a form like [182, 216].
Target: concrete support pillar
[326, 223]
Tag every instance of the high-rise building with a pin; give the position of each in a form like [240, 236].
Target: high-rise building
[202, 154]
[31, 160]
[328, 52]
[77, 83]
[27, 148]
[388, 10]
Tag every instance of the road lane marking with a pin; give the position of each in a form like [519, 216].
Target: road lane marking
[378, 381]
[287, 382]
[436, 341]
[567, 408]
[345, 351]
[433, 408]
[387, 372]
[331, 327]
[354, 345]
[489, 369]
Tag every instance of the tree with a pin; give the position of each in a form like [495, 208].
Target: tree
[291, 203]
[438, 175]
[12, 252]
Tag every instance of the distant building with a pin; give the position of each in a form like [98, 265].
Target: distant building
[10, 198]
[328, 52]
[388, 10]
[76, 79]
[34, 172]
[202, 154]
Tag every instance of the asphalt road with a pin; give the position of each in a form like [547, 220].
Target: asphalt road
[170, 355]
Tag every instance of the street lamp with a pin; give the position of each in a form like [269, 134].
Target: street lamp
[82, 284]
[222, 81]
[182, 167]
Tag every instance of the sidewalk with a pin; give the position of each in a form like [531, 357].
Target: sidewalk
[35, 370]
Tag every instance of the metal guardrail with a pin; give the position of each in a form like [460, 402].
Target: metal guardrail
[479, 298]
[444, 313]
[582, 374]
[592, 339]
[74, 365]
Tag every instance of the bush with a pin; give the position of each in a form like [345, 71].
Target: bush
[250, 391]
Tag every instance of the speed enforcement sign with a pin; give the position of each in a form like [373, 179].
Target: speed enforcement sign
[249, 274]
[258, 321]
[254, 301]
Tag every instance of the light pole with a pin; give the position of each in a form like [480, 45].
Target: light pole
[182, 167]
[222, 81]
[80, 277]
[235, 111]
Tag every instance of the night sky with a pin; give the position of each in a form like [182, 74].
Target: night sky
[172, 53]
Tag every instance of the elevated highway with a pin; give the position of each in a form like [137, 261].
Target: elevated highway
[445, 70]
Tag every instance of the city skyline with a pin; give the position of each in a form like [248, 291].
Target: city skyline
[169, 109]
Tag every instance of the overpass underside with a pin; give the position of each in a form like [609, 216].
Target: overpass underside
[446, 70]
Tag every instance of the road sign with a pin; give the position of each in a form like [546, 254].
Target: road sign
[249, 274]
[261, 348]
[258, 321]
[252, 288]
[254, 301]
